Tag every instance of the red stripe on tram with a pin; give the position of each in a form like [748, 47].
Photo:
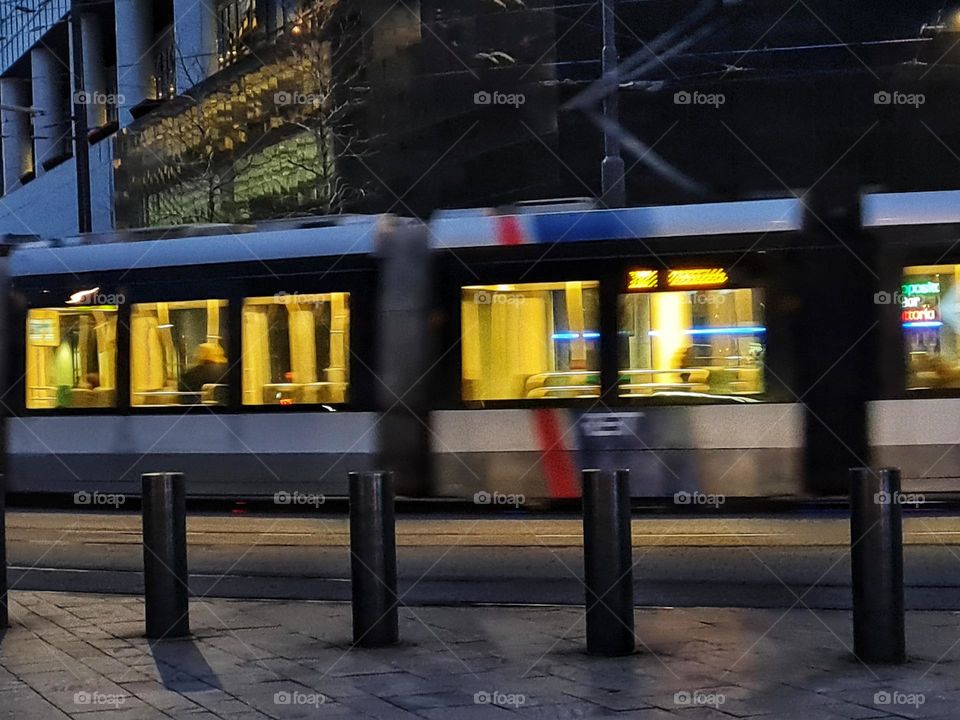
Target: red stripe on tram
[557, 463]
[558, 469]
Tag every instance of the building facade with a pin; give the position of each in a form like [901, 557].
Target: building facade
[243, 110]
[211, 111]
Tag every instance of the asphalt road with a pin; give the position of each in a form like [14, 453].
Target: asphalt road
[679, 561]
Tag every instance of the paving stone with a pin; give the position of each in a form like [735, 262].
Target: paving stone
[458, 662]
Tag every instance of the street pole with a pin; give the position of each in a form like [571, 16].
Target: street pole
[611, 170]
[81, 146]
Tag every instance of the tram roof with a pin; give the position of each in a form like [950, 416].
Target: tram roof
[356, 235]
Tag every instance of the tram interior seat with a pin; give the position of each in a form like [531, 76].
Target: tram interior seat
[93, 398]
[310, 393]
[47, 396]
[214, 394]
[649, 382]
[562, 384]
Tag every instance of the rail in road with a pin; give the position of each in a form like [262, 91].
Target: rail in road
[682, 561]
[125, 528]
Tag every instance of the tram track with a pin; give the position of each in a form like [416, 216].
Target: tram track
[752, 562]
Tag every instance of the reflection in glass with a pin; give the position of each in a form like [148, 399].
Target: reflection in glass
[930, 320]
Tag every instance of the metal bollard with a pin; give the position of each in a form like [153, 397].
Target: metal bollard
[876, 558]
[608, 564]
[373, 559]
[165, 555]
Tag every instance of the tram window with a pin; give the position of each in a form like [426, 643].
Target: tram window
[531, 341]
[71, 357]
[929, 315]
[177, 353]
[296, 349]
[691, 341]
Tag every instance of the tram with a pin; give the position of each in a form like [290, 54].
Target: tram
[737, 349]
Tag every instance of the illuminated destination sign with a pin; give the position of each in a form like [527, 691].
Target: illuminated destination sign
[697, 277]
[641, 279]
[683, 278]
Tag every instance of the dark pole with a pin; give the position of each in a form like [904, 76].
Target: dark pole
[81, 146]
[4, 380]
[373, 559]
[406, 356]
[876, 558]
[607, 561]
[611, 170]
[165, 555]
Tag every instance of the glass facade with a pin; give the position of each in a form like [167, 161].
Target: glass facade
[533, 341]
[264, 143]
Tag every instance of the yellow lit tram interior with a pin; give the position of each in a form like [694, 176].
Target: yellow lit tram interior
[530, 341]
[296, 349]
[679, 331]
[698, 341]
[71, 357]
[170, 343]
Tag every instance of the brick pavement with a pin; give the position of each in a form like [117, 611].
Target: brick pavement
[83, 656]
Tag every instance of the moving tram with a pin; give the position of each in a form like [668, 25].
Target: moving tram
[718, 351]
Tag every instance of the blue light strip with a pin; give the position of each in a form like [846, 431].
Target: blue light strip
[588, 335]
[754, 330]
[918, 324]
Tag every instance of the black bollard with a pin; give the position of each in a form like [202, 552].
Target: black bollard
[876, 559]
[607, 561]
[165, 555]
[373, 559]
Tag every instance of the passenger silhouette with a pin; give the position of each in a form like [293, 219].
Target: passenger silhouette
[210, 369]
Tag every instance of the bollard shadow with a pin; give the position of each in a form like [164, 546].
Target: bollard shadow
[182, 666]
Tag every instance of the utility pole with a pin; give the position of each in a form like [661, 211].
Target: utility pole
[81, 146]
[611, 171]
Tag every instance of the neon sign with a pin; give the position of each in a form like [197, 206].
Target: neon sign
[920, 314]
[930, 287]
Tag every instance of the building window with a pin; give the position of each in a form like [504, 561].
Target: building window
[530, 342]
[177, 353]
[928, 314]
[705, 341]
[71, 357]
[164, 65]
[237, 20]
[296, 349]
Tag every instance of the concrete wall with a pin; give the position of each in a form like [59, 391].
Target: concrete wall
[195, 33]
[48, 206]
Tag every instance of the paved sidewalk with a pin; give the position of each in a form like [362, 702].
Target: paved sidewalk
[83, 656]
